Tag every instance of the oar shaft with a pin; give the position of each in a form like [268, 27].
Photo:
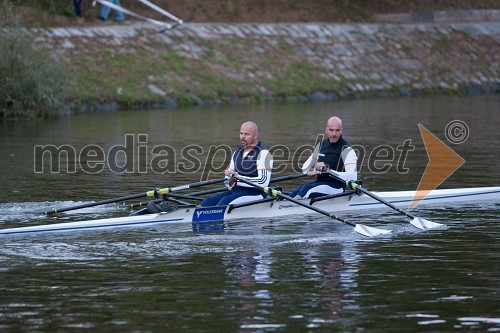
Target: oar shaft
[295, 201]
[282, 178]
[179, 202]
[370, 194]
[273, 180]
[161, 11]
[376, 197]
[184, 196]
[185, 187]
[143, 203]
[136, 196]
[197, 195]
[131, 13]
[97, 203]
[171, 196]
[213, 190]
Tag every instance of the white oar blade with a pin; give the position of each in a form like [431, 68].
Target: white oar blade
[370, 231]
[425, 224]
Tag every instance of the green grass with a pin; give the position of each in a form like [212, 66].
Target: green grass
[32, 82]
[256, 69]
[444, 43]
[299, 78]
[176, 62]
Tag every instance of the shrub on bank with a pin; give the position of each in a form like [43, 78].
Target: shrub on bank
[32, 83]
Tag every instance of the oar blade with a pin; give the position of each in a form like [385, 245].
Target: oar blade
[425, 224]
[370, 231]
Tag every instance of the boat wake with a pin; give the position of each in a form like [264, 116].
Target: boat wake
[153, 244]
[29, 211]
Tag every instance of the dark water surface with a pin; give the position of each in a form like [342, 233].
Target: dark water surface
[294, 274]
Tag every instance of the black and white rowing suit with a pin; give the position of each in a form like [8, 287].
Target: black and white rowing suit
[255, 166]
[340, 157]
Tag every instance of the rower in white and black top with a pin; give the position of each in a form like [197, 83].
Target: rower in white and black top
[253, 162]
[334, 153]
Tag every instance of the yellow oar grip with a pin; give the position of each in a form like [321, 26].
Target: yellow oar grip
[161, 191]
[351, 184]
[164, 190]
[271, 191]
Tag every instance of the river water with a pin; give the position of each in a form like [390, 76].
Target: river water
[294, 274]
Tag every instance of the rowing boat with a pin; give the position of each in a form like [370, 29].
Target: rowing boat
[269, 208]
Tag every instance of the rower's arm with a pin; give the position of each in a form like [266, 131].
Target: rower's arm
[350, 164]
[264, 168]
[309, 165]
[229, 182]
[231, 164]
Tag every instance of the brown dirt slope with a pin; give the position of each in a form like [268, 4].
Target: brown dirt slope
[43, 13]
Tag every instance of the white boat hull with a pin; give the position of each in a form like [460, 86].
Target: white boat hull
[266, 210]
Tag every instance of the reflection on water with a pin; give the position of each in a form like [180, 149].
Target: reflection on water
[368, 124]
[296, 274]
[255, 276]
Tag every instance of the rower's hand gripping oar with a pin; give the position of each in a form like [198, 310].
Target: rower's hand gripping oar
[273, 180]
[360, 228]
[417, 221]
[311, 161]
[153, 193]
[197, 195]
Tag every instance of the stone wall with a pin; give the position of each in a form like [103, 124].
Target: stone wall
[335, 60]
[440, 17]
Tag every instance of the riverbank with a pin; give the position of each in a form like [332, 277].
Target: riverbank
[132, 65]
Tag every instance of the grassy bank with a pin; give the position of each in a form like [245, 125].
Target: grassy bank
[31, 83]
[147, 69]
[224, 71]
[144, 70]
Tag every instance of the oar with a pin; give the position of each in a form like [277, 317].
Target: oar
[162, 11]
[273, 180]
[417, 221]
[131, 13]
[362, 229]
[136, 196]
[283, 178]
[196, 195]
[170, 196]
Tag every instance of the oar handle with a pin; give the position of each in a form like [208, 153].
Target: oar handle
[273, 180]
[279, 194]
[167, 190]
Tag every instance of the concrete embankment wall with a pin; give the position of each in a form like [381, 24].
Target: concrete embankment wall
[213, 63]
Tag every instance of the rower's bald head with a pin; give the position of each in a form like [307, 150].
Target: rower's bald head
[334, 122]
[249, 134]
[252, 126]
[333, 129]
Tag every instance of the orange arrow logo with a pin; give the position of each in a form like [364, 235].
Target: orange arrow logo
[443, 162]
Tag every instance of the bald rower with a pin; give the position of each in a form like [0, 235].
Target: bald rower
[336, 154]
[251, 161]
